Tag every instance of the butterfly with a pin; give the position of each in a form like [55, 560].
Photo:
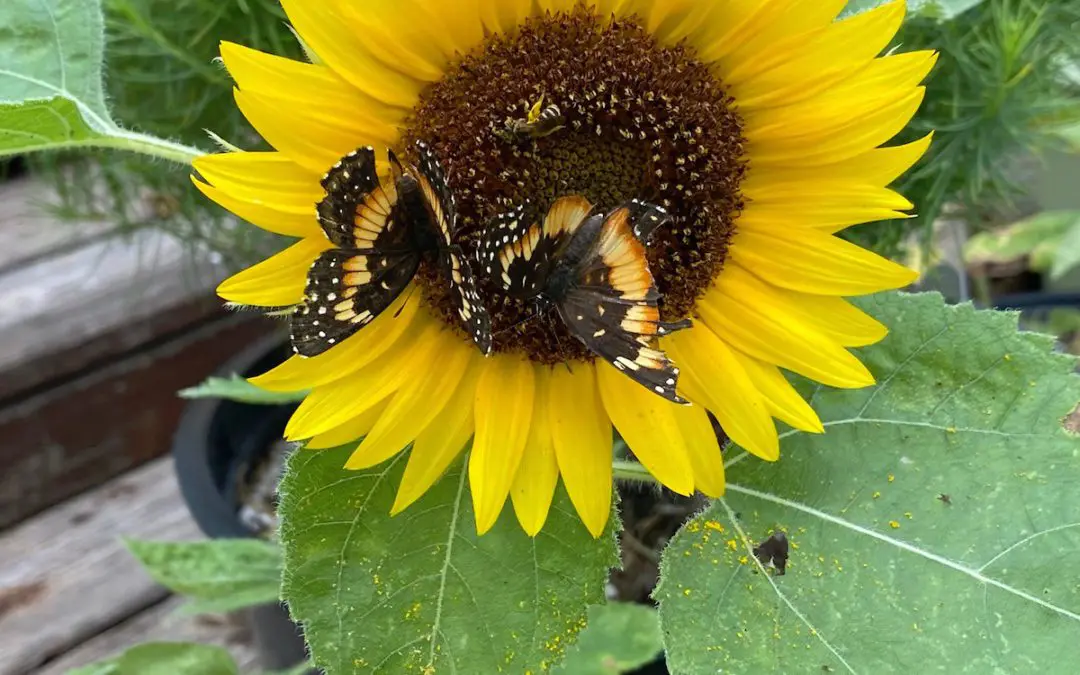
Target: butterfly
[592, 268]
[381, 233]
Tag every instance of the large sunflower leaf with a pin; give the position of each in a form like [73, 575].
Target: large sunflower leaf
[619, 637]
[51, 94]
[50, 75]
[421, 592]
[934, 526]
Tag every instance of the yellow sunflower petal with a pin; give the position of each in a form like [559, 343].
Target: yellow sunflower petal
[268, 173]
[291, 220]
[308, 84]
[422, 37]
[673, 21]
[332, 37]
[880, 166]
[806, 64]
[773, 337]
[884, 82]
[414, 406]
[811, 261]
[333, 404]
[403, 35]
[581, 434]
[853, 137]
[824, 194]
[504, 408]
[556, 6]
[503, 16]
[728, 26]
[352, 354]
[277, 281]
[713, 377]
[440, 443]
[647, 423]
[777, 23]
[703, 449]
[323, 141]
[781, 399]
[350, 431]
[538, 474]
[828, 315]
[828, 219]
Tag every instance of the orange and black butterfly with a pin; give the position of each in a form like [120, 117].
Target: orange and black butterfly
[592, 268]
[381, 234]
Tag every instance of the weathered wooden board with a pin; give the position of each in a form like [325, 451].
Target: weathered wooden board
[162, 623]
[62, 301]
[65, 576]
[28, 230]
[78, 434]
[97, 332]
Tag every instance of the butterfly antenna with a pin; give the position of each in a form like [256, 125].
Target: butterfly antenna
[517, 323]
[538, 310]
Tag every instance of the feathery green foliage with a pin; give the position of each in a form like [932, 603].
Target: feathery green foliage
[999, 92]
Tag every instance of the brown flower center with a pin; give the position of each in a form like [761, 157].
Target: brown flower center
[641, 121]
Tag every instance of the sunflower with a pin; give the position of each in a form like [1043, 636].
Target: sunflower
[757, 124]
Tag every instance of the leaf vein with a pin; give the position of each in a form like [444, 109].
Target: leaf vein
[903, 545]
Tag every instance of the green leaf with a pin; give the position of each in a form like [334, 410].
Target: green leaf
[220, 575]
[236, 388]
[38, 123]
[421, 592]
[1067, 253]
[618, 637]
[299, 669]
[943, 10]
[934, 526]
[1043, 231]
[165, 658]
[50, 82]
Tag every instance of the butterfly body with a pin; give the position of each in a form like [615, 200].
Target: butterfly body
[382, 233]
[592, 268]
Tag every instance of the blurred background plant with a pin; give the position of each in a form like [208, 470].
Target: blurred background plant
[1006, 88]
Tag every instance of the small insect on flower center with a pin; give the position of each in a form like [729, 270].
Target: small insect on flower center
[574, 103]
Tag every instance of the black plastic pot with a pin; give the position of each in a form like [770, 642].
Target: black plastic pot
[216, 441]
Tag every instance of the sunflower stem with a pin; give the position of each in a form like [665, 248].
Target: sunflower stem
[626, 470]
[152, 146]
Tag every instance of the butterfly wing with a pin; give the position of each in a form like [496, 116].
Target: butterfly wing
[441, 211]
[345, 291]
[646, 218]
[375, 260]
[611, 307]
[519, 251]
[358, 211]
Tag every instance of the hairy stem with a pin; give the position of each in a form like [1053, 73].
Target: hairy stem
[625, 470]
[149, 145]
